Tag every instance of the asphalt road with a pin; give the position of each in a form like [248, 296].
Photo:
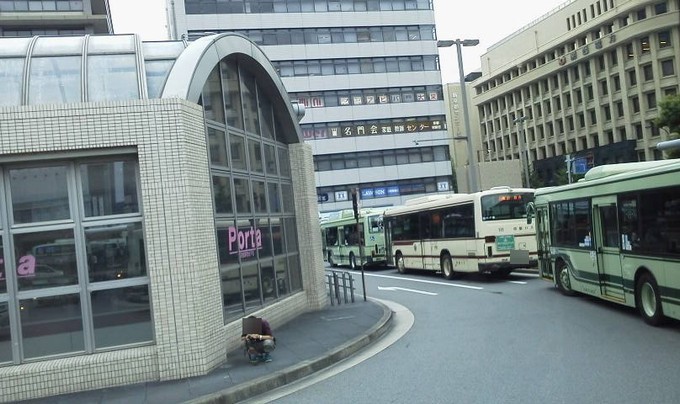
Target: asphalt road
[481, 340]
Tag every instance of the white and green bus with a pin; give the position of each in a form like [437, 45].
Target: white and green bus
[343, 245]
[615, 235]
[483, 232]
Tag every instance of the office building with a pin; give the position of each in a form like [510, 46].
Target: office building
[583, 80]
[27, 18]
[367, 73]
[152, 194]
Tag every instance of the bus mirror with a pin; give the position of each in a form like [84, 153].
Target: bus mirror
[531, 210]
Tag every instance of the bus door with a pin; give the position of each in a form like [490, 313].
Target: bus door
[543, 242]
[607, 250]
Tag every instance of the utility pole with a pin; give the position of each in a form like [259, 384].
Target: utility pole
[357, 214]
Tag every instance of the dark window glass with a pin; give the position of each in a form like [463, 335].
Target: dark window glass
[571, 224]
[39, 194]
[45, 259]
[121, 316]
[232, 94]
[51, 325]
[222, 194]
[109, 188]
[115, 252]
[213, 107]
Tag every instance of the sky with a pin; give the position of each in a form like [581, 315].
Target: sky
[489, 21]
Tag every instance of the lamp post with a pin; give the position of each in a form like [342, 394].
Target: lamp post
[523, 159]
[472, 174]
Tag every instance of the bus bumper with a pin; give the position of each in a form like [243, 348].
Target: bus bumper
[493, 267]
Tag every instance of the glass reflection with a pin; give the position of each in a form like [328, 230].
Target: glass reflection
[268, 281]
[51, 325]
[115, 252]
[213, 109]
[112, 77]
[284, 163]
[281, 265]
[243, 196]
[251, 285]
[218, 147]
[232, 94]
[266, 111]
[259, 196]
[121, 316]
[5, 338]
[3, 276]
[255, 150]
[109, 188]
[238, 151]
[11, 78]
[222, 192]
[274, 198]
[252, 122]
[156, 73]
[228, 251]
[277, 236]
[270, 159]
[39, 194]
[231, 289]
[45, 259]
[54, 80]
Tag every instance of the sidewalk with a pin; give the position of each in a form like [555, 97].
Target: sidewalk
[306, 344]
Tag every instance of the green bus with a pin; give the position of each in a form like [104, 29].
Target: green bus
[615, 235]
[343, 245]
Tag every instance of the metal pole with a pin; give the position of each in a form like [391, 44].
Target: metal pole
[472, 174]
[524, 157]
[361, 257]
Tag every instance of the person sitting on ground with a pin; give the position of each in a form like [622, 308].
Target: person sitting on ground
[260, 344]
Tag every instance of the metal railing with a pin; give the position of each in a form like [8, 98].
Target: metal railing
[340, 286]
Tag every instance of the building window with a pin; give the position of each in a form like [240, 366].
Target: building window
[79, 280]
[635, 103]
[664, 39]
[651, 100]
[644, 45]
[660, 8]
[648, 72]
[667, 68]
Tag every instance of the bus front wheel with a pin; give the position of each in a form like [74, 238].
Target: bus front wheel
[401, 266]
[563, 279]
[648, 300]
[447, 267]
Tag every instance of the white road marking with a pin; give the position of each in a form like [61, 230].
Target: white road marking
[393, 288]
[457, 285]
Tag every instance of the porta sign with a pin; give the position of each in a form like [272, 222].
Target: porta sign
[244, 242]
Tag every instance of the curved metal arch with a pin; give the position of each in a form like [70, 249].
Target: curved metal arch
[191, 69]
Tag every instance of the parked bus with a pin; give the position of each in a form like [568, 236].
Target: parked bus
[615, 235]
[483, 232]
[341, 240]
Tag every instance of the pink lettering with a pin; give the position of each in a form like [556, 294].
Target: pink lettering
[247, 241]
[26, 266]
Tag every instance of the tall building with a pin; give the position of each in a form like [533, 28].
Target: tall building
[367, 72]
[26, 18]
[584, 80]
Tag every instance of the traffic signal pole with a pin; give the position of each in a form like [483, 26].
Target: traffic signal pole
[355, 206]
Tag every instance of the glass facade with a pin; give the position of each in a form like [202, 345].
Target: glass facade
[76, 281]
[250, 169]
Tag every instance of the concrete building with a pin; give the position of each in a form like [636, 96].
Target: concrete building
[152, 194]
[586, 78]
[368, 75]
[27, 18]
[489, 173]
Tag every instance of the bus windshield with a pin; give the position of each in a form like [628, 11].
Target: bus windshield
[505, 206]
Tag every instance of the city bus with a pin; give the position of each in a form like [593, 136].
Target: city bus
[342, 242]
[483, 232]
[615, 235]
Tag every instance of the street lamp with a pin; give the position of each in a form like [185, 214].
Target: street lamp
[524, 160]
[472, 177]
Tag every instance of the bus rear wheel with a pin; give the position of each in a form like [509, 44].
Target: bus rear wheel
[447, 267]
[563, 279]
[401, 266]
[648, 300]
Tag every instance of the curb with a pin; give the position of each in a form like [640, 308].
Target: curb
[293, 373]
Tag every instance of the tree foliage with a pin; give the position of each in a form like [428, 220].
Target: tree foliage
[669, 117]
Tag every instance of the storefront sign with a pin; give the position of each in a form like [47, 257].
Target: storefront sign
[244, 243]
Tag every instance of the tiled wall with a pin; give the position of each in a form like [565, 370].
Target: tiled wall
[191, 338]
